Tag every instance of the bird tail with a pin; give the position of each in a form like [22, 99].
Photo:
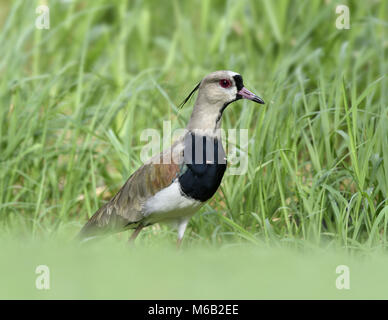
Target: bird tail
[101, 224]
[88, 232]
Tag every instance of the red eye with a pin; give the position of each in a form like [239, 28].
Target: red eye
[225, 83]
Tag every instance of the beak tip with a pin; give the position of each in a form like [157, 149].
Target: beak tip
[244, 93]
[259, 100]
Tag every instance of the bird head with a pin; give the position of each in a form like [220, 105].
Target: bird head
[224, 87]
[215, 92]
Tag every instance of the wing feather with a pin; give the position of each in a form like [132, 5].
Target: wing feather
[125, 209]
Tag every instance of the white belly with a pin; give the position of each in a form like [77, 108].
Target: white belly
[170, 204]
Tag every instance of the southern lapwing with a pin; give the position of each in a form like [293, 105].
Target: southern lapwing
[175, 184]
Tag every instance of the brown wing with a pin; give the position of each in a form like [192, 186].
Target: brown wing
[125, 208]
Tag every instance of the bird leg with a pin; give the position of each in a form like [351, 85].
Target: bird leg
[178, 243]
[135, 233]
[181, 231]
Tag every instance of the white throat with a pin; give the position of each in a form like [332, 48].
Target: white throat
[206, 119]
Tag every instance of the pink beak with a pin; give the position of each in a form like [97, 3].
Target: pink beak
[246, 94]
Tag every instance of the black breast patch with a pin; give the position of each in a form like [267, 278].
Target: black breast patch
[204, 167]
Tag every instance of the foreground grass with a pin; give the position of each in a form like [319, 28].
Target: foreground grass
[75, 99]
[109, 271]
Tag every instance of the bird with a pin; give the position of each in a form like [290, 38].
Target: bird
[173, 185]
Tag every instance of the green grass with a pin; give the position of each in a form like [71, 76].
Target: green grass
[74, 100]
[114, 271]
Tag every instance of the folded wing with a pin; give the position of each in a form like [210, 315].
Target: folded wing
[125, 209]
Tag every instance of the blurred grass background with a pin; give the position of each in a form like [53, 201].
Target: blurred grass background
[75, 99]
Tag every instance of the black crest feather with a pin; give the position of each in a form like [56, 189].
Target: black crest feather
[189, 96]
